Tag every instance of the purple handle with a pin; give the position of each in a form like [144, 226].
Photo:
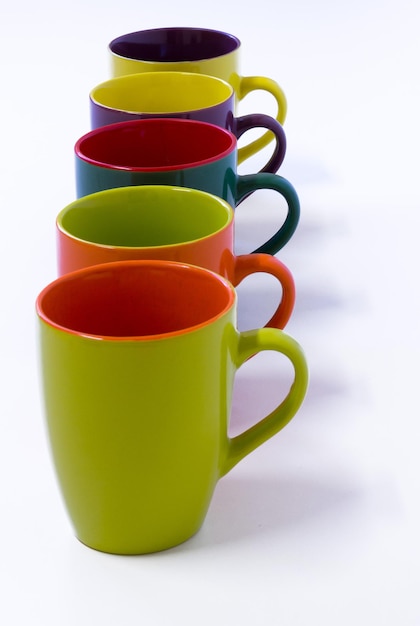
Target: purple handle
[259, 120]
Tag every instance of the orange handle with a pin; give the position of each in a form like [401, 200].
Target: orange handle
[247, 264]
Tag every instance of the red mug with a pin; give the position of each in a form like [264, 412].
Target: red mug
[181, 153]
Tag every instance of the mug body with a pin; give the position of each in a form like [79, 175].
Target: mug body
[175, 152]
[136, 424]
[163, 94]
[199, 50]
[146, 222]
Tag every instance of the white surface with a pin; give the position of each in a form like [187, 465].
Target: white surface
[320, 525]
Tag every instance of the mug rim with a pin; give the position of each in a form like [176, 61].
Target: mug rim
[127, 78]
[219, 33]
[115, 127]
[94, 270]
[140, 190]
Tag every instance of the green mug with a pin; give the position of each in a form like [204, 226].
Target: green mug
[138, 363]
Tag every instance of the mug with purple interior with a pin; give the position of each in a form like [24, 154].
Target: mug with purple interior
[199, 50]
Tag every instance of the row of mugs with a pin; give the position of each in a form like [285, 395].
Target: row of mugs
[138, 335]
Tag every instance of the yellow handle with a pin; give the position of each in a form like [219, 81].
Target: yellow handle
[253, 83]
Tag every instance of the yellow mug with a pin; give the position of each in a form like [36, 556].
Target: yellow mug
[199, 50]
[182, 95]
[138, 365]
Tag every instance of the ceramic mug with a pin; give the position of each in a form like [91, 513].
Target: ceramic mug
[198, 50]
[138, 364]
[161, 222]
[179, 94]
[180, 153]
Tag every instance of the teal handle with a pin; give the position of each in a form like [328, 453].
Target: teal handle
[249, 183]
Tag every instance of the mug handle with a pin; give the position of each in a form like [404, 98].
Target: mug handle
[247, 264]
[248, 183]
[259, 120]
[251, 342]
[247, 84]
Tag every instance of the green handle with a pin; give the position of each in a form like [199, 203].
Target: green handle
[254, 83]
[249, 183]
[250, 343]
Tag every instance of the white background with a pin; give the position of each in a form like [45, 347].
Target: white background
[320, 525]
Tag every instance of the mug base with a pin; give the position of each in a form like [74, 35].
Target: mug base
[137, 549]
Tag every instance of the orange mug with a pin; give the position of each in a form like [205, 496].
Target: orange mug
[164, 223]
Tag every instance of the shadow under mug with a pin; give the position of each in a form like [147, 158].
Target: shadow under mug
[166, 223]
[180, 153]
[138, 362]
[181, 95]
[198, 50]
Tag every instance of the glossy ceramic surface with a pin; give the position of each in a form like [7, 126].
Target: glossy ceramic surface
[179, 94]
[161, 222]
[138, 362]
[199, 50]
[176, 152]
